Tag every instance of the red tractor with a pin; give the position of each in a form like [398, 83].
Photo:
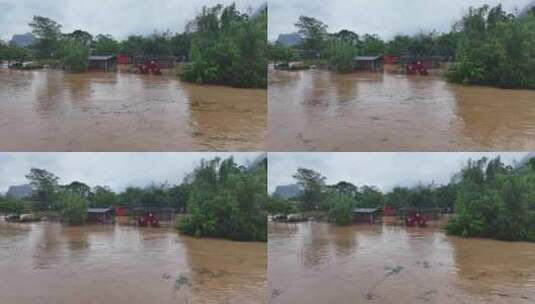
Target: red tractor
[415, 219]
[150, 67]
[416, 68]
[148, 220]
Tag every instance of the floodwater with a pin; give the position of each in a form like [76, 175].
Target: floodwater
[51, 263]
[50, 110]
[320, 110]
[320, 263]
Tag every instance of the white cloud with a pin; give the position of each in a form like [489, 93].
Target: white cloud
[118, 17]
[117, 170]
[383, 17]
[384, 170]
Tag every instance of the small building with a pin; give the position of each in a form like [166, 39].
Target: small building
[164, 62]
[391, 59]
[161, 213]
[369, 63]
[101, 215]
[102, 63]
[368, 215]
[124, 59]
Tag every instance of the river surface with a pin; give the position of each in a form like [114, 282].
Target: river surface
[51, 263]
[320, 110]
[50, 110]
[320, 263]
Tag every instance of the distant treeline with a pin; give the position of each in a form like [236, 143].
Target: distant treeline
[488, 198]
[221, 199]
[489, 46]
[223, 46]
[73, 48]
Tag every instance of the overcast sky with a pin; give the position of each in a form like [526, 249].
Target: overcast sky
[117, 17]
[383, 17]
[117, 170]
[384, 170]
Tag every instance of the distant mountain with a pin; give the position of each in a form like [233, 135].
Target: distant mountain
[287, 192]
[23, 40]
[21, 191]
[289, 39]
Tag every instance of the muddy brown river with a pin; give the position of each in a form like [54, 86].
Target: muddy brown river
[324, 111]
[51, 263]
[319, 263]
[50, 110]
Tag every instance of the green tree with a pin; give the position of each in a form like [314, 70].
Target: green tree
[495, 48]
[313, 31]
[106, 45]
[312, 184]
[11, 205]
[493, 201]
[370, 197]
[279, 53]
[228, 48]
[277, 205]
[227, 201]
[341, 208]
[372, 45]
[82, 37]
[133, 45]
[342, 56]
[178, 197]
[48, 34]
[103, 197]
[45, 186]
[74, 209]
[78, 188]
[13, 53]
[75, 56]
[399, 46]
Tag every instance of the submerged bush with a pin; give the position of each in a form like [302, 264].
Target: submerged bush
[227, 201]
[75, 56]
[73, 209]
[495, 48]
[228, 48]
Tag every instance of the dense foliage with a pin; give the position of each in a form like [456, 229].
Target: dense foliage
[495, 201]
[228, 47]
[340, 208]
[488, 198]
[496, 48]
[75, 56]
[12, 53]
[489, 47]
[227, 201]
[73, 209]
[10, 205]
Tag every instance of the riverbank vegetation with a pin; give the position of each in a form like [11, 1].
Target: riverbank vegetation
[227, 201]
[495, 48]
[488, 199]
[220, 199]
[221, 45]
[228, 47]
[494, 200]
[489, 46]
